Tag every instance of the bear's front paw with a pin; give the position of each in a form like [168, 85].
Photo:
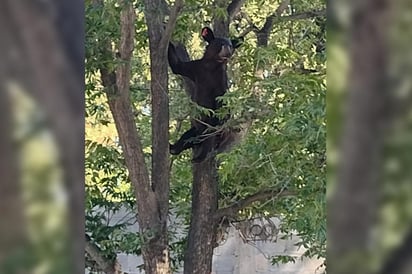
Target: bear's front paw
[174, 150]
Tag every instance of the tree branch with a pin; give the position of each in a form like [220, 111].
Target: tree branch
[270, 19]
[116, 87]
[251, 27]
[263, 195]
[127, 18]
[234, 8]
[95, 253]
[304, 15]
[171, 24]
[282, 7]
[263, 33]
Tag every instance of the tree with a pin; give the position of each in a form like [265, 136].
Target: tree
[277, 170]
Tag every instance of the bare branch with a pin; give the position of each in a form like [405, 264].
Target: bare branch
[263, 195]
[171, 24]
[251, 27]
[282, 7]
[127, 19]
[234, 8]
[116, 87]
[95, 253]
[270, 19]
[304, 15]
[263, 34]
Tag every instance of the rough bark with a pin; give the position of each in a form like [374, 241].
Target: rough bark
[160, 112]
[157, 256]
[202, 232]
[147, 206]
[353, 206]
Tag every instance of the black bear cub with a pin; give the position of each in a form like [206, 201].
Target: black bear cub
[210, 81]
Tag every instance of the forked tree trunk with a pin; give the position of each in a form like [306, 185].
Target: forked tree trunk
[151, 195]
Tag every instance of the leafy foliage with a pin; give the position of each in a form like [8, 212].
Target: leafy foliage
[278, 91]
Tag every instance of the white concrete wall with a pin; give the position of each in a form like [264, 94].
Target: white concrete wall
[235, 256]
[238, 257]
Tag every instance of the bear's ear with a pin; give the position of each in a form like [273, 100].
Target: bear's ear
[237, 42]
[207, 34]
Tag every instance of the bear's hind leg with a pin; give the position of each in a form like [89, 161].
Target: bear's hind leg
[187, 140]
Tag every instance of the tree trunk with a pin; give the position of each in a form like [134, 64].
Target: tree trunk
[202, 232]
[353, 208]
[156, 253]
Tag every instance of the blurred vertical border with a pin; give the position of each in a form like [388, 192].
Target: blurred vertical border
[369, 142]
[42, 136]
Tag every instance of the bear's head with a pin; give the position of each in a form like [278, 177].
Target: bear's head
[218, 48]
